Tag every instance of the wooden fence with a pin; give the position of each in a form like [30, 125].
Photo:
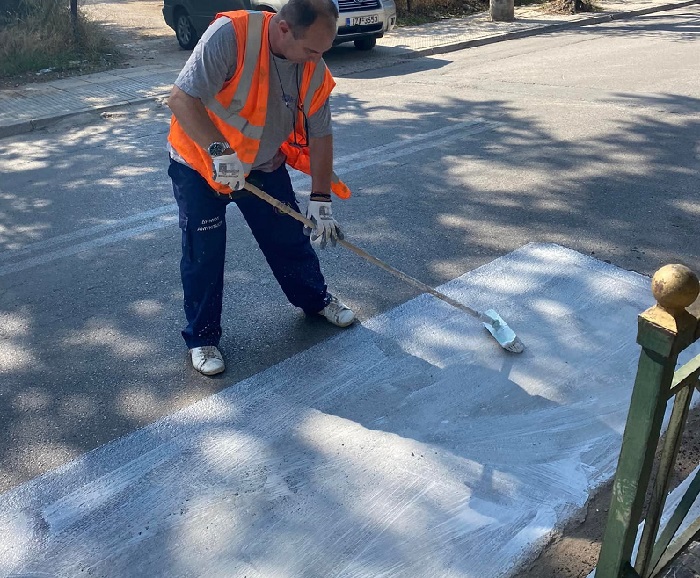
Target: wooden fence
[664, 331]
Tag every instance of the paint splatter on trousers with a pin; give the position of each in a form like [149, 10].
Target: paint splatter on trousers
[202, 218]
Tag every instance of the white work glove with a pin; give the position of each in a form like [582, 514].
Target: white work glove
[228, 170]
[327, 228]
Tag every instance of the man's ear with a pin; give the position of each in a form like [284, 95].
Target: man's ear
[284, 27]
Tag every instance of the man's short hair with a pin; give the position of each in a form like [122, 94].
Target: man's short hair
[300, 14]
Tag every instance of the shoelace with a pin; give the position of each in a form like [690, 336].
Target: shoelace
[209, 352]
[335, 307]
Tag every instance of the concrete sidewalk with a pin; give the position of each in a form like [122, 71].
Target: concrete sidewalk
[34, 106]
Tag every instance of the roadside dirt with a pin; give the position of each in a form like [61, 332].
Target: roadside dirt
[137, 29]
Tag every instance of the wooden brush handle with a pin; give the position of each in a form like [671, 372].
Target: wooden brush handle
[362, 253]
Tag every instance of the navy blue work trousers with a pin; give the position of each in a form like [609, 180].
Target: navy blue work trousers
[202, 217]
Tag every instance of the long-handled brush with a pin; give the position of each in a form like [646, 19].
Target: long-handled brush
[491, 320]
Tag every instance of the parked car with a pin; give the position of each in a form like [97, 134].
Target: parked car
[361, 21]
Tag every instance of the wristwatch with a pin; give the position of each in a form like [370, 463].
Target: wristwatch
[216, 149]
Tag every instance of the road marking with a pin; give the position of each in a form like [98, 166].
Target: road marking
[81, 233]
[425, 442]
[86, 246]
[166, 215]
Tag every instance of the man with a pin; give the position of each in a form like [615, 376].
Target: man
[252, 96]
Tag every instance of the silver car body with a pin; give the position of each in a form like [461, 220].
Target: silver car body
[361, 18]
[361, 21]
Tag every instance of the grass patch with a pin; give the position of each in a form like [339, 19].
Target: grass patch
[40, 35]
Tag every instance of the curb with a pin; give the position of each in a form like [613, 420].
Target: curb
[27, 126]
[548, 28]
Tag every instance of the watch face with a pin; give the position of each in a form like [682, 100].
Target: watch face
[216, 149]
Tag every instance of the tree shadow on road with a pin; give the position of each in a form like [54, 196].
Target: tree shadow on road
[90, 345]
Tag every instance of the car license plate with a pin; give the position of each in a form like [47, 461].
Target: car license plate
[362, 20]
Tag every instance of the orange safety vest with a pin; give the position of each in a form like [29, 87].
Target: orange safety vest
[239, 109]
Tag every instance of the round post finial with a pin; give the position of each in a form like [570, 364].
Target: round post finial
[675, 287]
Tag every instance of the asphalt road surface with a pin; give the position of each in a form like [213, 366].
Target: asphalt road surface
[587, 138]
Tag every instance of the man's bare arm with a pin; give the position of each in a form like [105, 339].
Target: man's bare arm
[192, 116]
[321, 152]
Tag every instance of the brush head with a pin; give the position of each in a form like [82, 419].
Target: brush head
[515, 346]
[505, 336]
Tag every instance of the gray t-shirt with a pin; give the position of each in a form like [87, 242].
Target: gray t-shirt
[213, 62]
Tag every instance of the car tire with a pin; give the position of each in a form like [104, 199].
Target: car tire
[365, 43]
[184, 31]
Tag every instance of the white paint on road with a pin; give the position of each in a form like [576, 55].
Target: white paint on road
[46, 251]
[409, 446]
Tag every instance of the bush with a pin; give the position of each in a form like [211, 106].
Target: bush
[419, 11]
[40, 34]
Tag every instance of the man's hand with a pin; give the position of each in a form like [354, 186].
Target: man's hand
[228, 170]
[326, 228]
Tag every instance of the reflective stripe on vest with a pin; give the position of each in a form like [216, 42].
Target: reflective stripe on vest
[230, 115]
[300, 159]
[315, 83]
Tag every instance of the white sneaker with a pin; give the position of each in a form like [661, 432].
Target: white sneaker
[207, 359]
[338, 313]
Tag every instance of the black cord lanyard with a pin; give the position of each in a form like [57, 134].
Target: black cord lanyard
[288, 101]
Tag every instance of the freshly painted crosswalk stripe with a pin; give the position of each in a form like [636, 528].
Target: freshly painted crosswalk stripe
[409, 446]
